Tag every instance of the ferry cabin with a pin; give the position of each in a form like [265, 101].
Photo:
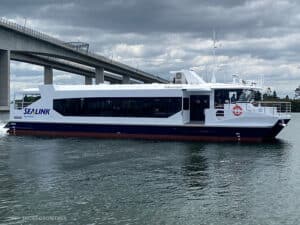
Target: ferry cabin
[188, 109]
[136, 104]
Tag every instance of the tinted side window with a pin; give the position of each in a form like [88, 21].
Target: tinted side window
[118, 107]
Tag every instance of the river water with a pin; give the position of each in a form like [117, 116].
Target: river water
[92, 181]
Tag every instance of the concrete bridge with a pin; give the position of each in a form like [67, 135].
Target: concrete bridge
[26, 45]
[50, 63]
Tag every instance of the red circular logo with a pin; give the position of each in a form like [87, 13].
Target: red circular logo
[237, 110]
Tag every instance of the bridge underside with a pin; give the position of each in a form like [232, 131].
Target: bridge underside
[51, 63]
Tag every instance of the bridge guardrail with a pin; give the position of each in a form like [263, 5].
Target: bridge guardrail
[30, 31]
[47, 37]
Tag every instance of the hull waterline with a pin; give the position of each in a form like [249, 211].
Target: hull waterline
[174, 133]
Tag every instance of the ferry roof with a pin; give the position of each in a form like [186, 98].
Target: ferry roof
[153, 86]
[28, 91]
[205, 87]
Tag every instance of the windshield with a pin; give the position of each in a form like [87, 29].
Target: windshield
[246, 96]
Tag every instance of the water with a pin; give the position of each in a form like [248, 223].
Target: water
[90, 181]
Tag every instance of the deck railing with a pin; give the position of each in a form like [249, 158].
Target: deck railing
[19, 104]
[280, 107]
[273, 107]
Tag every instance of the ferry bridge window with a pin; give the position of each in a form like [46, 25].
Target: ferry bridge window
[161, 107]
[248, 95]
[223, 96]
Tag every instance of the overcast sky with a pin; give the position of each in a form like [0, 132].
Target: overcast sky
[255, 38]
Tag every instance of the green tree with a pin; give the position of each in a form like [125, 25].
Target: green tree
[274, 95]
[257, 96]
[265, 96]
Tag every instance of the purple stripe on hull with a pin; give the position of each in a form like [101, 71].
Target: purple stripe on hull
[146, 132]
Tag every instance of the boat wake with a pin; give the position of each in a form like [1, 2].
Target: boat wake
[3, 131]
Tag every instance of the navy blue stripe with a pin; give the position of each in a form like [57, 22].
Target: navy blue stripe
[148, 130]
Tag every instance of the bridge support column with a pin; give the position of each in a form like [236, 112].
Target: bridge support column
[88, 80]
[4, 79]
[126, 79]
[99, 75]
[48, 75]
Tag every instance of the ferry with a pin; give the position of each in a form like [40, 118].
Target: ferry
[186, 109]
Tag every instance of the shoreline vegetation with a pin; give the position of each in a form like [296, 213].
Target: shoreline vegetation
[295, 103]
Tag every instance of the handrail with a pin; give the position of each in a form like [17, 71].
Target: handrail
[21, 104]
[267, 107]
[281, 107]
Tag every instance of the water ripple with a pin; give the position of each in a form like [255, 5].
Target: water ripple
[90, 181]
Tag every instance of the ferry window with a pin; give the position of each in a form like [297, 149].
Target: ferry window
[186, 103]
[24, 100]
[246, 96]
[232, 97]
[226, 95]
[118, 107]
[30, 98]
[68, 107]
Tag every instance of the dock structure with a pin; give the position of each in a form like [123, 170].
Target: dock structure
[23, 44]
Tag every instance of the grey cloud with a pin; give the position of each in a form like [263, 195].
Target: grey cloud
[143, 16]
[253, 28]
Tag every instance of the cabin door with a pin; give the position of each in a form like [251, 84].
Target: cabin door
[198, 103]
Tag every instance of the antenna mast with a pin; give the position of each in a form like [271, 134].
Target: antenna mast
[213, 78]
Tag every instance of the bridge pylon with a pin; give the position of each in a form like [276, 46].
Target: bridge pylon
[4, 79]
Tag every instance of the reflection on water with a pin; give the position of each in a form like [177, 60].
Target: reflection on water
[195, 167]
[90, 181]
